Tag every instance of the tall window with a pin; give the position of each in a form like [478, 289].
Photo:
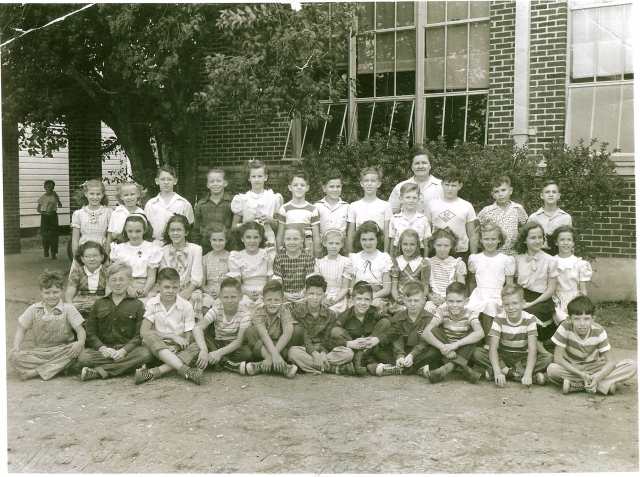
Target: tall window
[601, 74]
[456, 82]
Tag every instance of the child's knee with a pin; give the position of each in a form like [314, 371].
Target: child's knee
[298, 335]
[338, 332]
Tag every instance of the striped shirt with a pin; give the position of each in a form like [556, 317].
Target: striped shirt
[514, 336]
[581, 350]
[306, 215]
[335, 270]
[443, 273]
[226, 329]
[455, 330]
[178, 319]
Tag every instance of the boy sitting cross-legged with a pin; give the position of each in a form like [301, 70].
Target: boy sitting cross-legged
[166, 330]
[366, 331]
[221, 344]
[513, 340]
[457, 337]
[113, 330]
[583, 360]
[317, 355]
[412, 353]
[272, 332]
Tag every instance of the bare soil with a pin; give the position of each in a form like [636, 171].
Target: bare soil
[314, 424]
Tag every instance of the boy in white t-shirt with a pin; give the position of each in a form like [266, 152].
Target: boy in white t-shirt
[369, 208]
[456, 213]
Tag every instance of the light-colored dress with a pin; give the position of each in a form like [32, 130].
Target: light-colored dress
[267, 203]
[372, 272]
[333, 272]
[93, 224]
[215, 269]
[140, 258]
[252, 271]
[571, 271]
[117, 220]
[491, 273]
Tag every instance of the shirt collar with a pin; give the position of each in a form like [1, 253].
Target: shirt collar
[404, 315]
[541, 211]
[59, 306]
[340, 202]
[96, 271]
[413, 264]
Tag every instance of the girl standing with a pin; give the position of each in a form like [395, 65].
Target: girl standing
[336, 269]
[92, 220]
[444, 268]
[127, 195]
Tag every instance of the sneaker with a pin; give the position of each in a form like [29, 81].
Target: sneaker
[434, 376]
[542, 378]
[612, 389]
[144, 375]
[423, 371]
[253, 368]
[290, 371]
[470, 374]
[239, 368]
[88, 374]
[572, 387]
[387, 370]
[195, 375]
[513, 375]
[488, 375]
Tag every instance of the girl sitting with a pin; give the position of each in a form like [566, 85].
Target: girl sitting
[408, 267]
[336, 269]
[215, 264]
[444, 268]
[88, 280]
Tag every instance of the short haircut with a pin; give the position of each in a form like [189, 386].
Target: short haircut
[49, 181]
[231, 283]
[499, 180]
[581, 305]
[300, 174]
[216, 170]
[168, 274]
[512, 289]
[521, 240]
[86, 246]
[362, 287]
[409, 187]
[295, 227]
[371, 170]
[413, 288]
[368, 227]
[50, 279]
[257, 164]
[548, 183]
[458, 288]
[443, 233]
[410, 233]
[419, 150]
[564, 229]
[168, 169]
[452, 175]
[331, 175]
[117, 267]
[316, 281]
[175, 218]
[490, 226]
[273, 286]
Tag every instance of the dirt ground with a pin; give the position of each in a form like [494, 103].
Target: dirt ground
[314, 424]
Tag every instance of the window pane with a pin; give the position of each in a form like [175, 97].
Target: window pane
[479, 9]
[457, 11]
[436, 12]
[477, 118]
[454, 116]
[312, 139]
[580, 114]
[434, 62]
[610, 45]
[385, 15]
[404, 14]
[385, 64]
[382, 118]
[364, 76]
[406, 62]
[606, 119]
[332, 134]
[628, 40]
[433, 118]
[583, 46]
[364, 120]
[479, 55]
[402, 118]
[626, 122]
[365, 16]
[456, 57]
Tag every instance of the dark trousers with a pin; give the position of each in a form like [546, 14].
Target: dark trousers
[255, 343]
[377, 354]
[464, 353]
[430, 355]
[243, 353]
[107, 367]
[544, 312]
[50, 232]
[509, 359]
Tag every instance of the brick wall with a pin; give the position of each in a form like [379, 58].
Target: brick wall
[11, 185]
[501, 70]
[615, 235]
[85, 160]
[548, 72]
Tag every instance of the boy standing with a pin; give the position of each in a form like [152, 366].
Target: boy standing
[317, 355]
[409, 218]
[363, 329]
[48, 204]
[412, 353]
[216, 207]
[504, 212]
[583, 360]
[113, 330]
[550, 216]
[456, 213]
[457, 337]
[332, 209]
[369, 208]
[222, 344]
[513, 338]
[293, 266]
[166, 330]
[272, 333]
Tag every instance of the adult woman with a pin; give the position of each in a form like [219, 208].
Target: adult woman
[430, 187]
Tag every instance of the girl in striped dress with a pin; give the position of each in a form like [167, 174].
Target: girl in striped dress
[444, 268]
[336, 269]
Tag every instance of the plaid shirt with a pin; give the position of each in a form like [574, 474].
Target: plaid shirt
[208, 212]
[317, 330]
[293, 271]
[411, 334]
[274, 324]
[78, 278]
